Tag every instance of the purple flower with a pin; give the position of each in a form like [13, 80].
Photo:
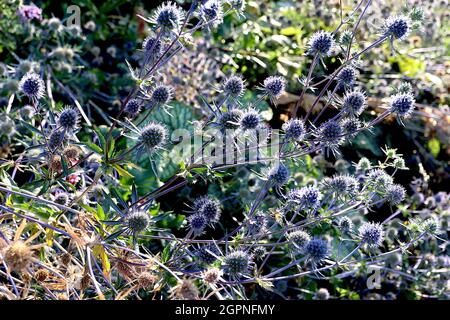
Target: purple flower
[29, 12]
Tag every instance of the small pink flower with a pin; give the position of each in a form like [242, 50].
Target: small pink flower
[29, 12]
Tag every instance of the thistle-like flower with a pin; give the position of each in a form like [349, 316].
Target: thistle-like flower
[347, 77]
[316, 250]
[230, 119]
[137, 221]
[345, 225]
[397, 27]
[153, 136]
[234, 86]
[161, 95]
[298, 240]
[321, 43]
[294, 129]
[278, 175]
[152, 46]
[274, 86]
[237, 262]
[68, 119]
[197, 223]
[331, 134]
[354, 103]
[395, 194]
[372, 234]
[402, 104]
[211, 12]
[32, 86]
[133, 107]
[169, 17]
[250, 119]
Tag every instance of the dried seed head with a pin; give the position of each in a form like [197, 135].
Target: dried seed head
[146, 280]
[18, 256]
[186, 290]
[72, 152]
[211, 275]
[41, 275]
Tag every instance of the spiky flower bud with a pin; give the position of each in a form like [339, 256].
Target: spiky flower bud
[402, 104]
[395, 194]
[294, 129]
[55, 139]
[237, 262]
[153, 136]
[363, 164]
[331, 133]
[197, 223]
[309, 198]
[398, 27]
[371, 233]
[208, 207]
[161, 95]
[316, 249]
[321, 43]
[137, 221]
[207, 253]
[274, 86]
[354, 103]
[298, 240]
[169, 17]
[250, 119]
[234, 86]
[32, 86]
[68, 119]
[133, 107]
[259, 252]
[347, 77]
[279, 174]
[351, 127]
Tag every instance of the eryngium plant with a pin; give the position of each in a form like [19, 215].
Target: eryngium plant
[76, 232]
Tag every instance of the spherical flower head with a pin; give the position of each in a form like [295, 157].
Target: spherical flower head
[32, 86]
[279, 175]
[237, 262]
[372, 234]
[354, 103]
[317, 249]
[210, 210]
[274, 86]
[395, 194]
[230, 119]
[294, 129]
[234, 86]
[137, 221]
[321, 43]
[363, 164]
[68, 119]
[309, 197]
[431, 226]
[402, 104]
[398, 27]
[322, 294]
[259, 252]
[211, 275]
[351, 126]
[153, 136]
[212, 13]
[298, 240]
[169, 17]
[347, 77]
[133, 107]
[379, 180]
[404, 88]
[197, 223]
[250, 119]
[55, 139]
[346, 37]
[152, 46]
[331, 133]
[161, 95]
[345, 225]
